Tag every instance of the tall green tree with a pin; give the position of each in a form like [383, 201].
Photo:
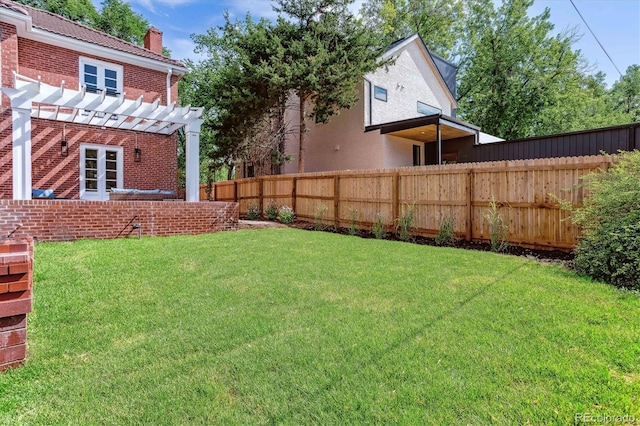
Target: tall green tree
[315, 50]
[583, 102]
[440, 22]
[237, 86]
[115, 17]
[626, 93]
[81, 11]
[327, 51]
[515, 78]
[516, 67]
[118, 19]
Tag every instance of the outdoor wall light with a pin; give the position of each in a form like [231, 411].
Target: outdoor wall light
[137, 152]
[64, 145]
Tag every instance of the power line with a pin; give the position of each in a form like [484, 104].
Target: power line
[594, 36]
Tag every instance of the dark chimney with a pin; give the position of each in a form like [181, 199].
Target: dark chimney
[153, 40]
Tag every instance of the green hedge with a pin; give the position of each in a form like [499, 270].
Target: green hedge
[609, 245]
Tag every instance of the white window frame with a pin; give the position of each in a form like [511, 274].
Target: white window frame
[102, 194]
[101, 66]
[378, 93]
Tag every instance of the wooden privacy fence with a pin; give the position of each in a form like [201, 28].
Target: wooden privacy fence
[523, 189]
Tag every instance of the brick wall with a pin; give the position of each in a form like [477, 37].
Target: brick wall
[16, 284]
[55, 64]
[158, 169]
[8, 57]
[50, 170]
[65, 220]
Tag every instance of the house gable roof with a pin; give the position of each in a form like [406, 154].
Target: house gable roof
[445, 70]
[59, 25]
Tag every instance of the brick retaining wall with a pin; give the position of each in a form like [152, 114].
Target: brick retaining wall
[68, 220]
[16, 283]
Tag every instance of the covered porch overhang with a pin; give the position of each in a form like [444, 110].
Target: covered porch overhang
[432, 128]
[31, 98]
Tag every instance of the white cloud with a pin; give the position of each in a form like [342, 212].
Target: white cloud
[183, 48]
[151, 4]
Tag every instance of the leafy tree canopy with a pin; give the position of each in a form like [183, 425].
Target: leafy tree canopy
[81, 11]
[515, 77]
[316, 49]
[115, 17]
[118, 19]
[626, 93]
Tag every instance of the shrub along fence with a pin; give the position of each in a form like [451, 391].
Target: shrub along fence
[523, 189]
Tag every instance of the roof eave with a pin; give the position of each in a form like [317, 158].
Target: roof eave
[48, 37]
[420, 121]
[25, 29]
[427, 54]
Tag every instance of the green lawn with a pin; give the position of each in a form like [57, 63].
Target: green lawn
[283, 326]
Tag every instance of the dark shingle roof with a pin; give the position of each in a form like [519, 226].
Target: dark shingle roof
[65, 27]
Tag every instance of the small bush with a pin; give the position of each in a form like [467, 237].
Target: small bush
[404, 224]
[253, 211]
[272, 210]
[353, 221]
[378, 227]
[286, 214]
[498, 229]
[609, 221]
[318, 216]
[446, 235]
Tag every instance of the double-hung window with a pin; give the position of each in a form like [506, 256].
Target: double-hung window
[97, 76]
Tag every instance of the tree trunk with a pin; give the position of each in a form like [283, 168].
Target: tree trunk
[303, 130]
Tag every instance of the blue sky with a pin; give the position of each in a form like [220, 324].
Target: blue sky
[615, 22]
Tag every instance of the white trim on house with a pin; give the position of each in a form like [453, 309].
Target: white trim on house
[102, 66]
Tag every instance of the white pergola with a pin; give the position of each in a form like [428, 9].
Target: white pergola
[33, 99]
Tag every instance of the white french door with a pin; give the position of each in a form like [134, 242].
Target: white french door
[100, 170]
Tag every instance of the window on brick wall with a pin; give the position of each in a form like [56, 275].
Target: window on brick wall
[97, 76]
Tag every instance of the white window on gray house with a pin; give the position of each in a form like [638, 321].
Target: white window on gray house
[380, 93]
[98, 76]
[427, 109]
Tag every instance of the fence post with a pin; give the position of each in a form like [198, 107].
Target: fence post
[336, 200]
[261, 193]
[293, 193]
[395, 196]
[215, 192]
[469, 233]
[235, 191]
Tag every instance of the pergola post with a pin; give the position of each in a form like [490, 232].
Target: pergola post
[21, 122]
[192, 153]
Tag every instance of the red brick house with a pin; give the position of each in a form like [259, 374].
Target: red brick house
[83, 112]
